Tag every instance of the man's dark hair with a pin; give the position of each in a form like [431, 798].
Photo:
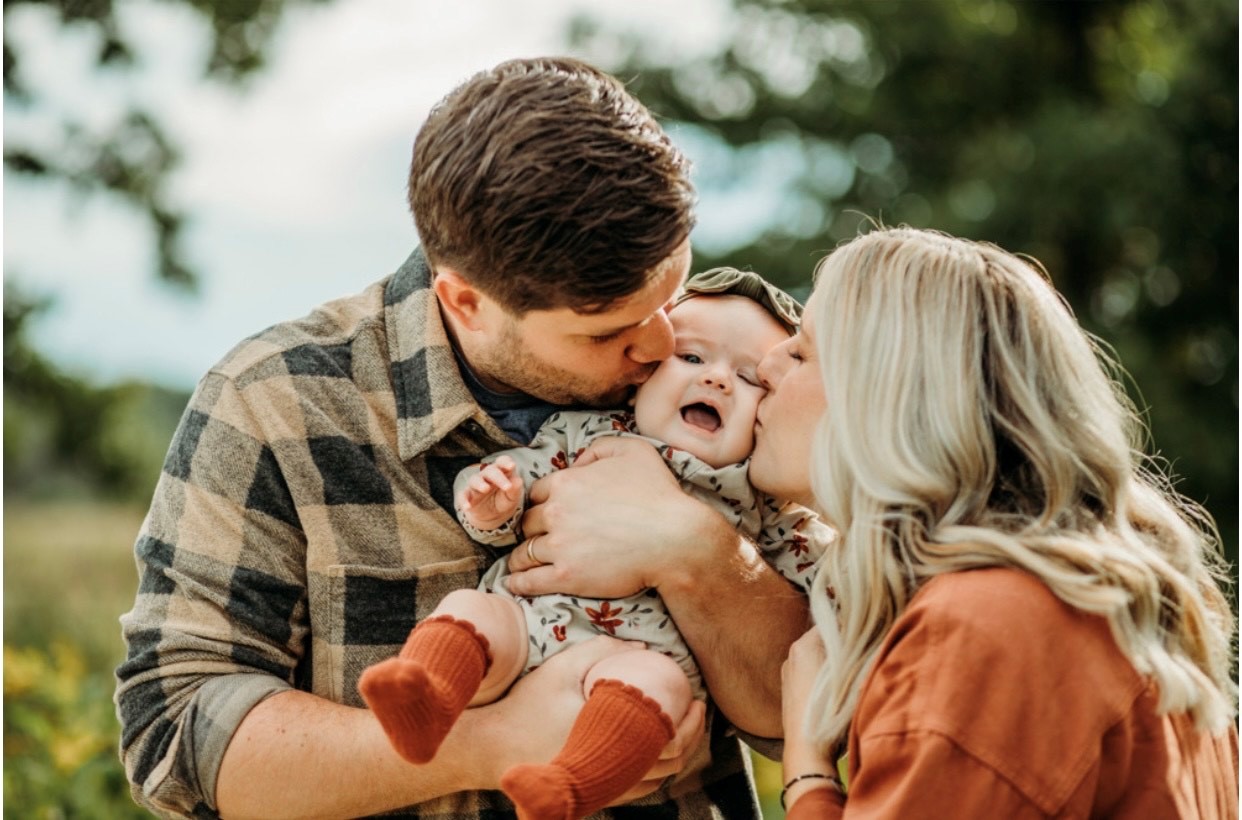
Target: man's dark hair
[546, 184]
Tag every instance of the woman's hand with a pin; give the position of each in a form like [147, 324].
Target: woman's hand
[798, 674]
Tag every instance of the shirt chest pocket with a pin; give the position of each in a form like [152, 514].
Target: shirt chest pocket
[363, 614]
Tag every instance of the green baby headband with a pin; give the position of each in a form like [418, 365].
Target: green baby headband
[733, 282]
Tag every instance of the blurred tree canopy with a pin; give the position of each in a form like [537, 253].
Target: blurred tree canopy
[67, 437]
[64, 435]
[1098, 137]
[132, 157]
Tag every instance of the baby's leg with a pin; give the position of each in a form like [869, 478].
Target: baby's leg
[634, 701]
[469, 651]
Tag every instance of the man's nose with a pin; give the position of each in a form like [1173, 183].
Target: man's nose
[654, 342]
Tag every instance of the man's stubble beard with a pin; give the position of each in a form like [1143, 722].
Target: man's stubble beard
[508, 361]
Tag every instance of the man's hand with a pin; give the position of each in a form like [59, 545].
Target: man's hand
[675, 755]
[617, 522]
[609, 526]
[492, 495]
[298, 755]
[533, 720]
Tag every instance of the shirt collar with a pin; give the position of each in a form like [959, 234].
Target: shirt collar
[431, 397]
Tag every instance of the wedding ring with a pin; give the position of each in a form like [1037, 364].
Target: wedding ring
[530, 552]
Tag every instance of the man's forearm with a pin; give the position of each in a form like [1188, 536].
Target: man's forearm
[739, 617]
[298, 755]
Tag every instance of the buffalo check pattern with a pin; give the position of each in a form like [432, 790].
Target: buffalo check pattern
[302, 524]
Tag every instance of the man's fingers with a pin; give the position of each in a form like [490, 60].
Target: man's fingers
[687, 736]
[536, 551]
[674, 756]
[532, 580]
[643, 789]
[534, 520]
[611, 446]
[542, 488]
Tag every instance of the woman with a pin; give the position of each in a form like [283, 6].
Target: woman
[1020, 619]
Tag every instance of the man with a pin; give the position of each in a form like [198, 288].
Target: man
[302, 524]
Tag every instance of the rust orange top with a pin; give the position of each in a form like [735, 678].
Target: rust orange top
[992, 698]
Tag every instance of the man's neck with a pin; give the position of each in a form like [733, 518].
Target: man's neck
[465, 357]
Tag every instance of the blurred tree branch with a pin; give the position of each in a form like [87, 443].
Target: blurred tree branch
[134, 159]
[64, 435]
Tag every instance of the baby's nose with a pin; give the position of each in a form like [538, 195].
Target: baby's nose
[717, 378]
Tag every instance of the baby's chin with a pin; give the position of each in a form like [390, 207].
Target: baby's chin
[709, 452]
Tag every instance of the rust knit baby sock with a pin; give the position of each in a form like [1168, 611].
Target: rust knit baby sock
[418, 695]
[616, 739]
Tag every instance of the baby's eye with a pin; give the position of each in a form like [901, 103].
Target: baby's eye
[751, 377]
[692, 358]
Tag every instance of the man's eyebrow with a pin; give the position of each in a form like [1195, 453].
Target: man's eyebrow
[614, 331]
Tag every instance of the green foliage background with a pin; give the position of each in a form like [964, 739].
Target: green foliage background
[1098, 137]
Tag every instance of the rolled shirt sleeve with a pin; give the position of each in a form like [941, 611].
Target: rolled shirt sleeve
[219, 620]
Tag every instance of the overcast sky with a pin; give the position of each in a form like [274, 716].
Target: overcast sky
[296, 185]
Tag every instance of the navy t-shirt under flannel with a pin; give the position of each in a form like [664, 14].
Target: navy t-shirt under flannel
[518, 414]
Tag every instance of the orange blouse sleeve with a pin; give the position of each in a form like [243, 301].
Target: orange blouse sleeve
[987, 700]
[990, 697]
[817, 805]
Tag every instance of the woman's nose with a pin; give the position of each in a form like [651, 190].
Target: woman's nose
[769, 370]
[654, 342]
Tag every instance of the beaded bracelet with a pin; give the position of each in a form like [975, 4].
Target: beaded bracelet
[836, 784]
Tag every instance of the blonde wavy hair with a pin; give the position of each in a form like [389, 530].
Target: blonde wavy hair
[972, 423]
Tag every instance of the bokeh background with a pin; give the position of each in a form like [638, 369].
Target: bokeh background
[183, 173]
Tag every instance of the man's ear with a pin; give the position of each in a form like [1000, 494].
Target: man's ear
[462, 301]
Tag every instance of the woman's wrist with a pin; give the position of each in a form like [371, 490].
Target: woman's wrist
[800, 756]
[800, 784]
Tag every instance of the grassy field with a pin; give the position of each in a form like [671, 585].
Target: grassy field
[68, 575]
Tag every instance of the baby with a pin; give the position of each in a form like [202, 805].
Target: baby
[698, 408]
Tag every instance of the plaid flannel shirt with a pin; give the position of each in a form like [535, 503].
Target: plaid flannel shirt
[302, 524]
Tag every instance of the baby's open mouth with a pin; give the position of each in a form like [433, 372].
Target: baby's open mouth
[702, 416]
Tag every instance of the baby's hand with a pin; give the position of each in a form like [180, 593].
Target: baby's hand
[492, 495]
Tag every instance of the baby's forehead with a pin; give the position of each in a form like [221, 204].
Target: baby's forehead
[721, 309]
[733, 325]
